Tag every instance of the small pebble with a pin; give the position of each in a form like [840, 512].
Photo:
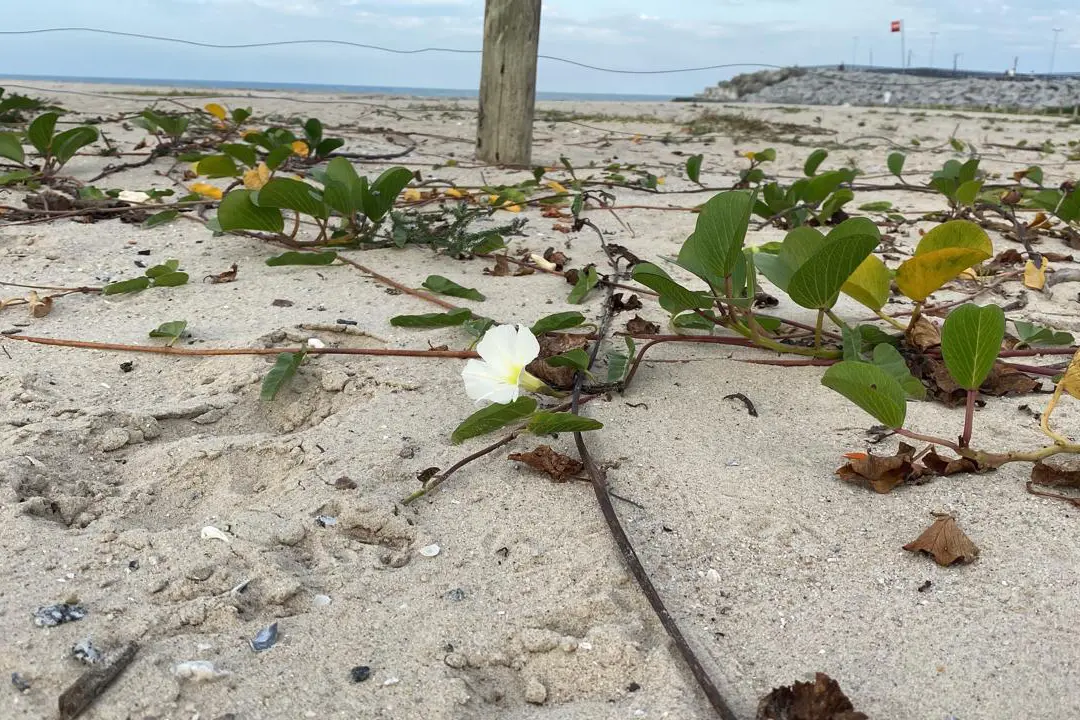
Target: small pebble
[316, 343]
[455, 660]
[456, 595]
[325, 521]
[320, 600]
[345, 483]
[265, 639]
[197, 671]
[21, 684]
[282, 303]
[86, 652]
[52, 615]
[212, 533]
[391, 681]
[360, 673]
[430, 550]
[535, 692]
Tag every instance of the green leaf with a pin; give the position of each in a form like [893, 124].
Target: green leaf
[822, 186]
[869, 284]
[879, 206]
[1034, 174]
[852, 344]
[889, 359]
[278, 155]
[241, 152]
[871, 388]
[445, 286]
[383, 192]
[766, 155]
[576, 358]
[161, 218]
[171, 331]
[477, 326]
[293, 195]
[492, 418]
[1031, 334]
[896, 163]
[872, 336]
[218, 166]
[66, 144]
[328, 146]
[957, 145]
[673, 297]
[126, 286]
[432, 320]
[558, 321]
[293, 257]
[40, 132]
[170, 279]
[966, 193]
[818, 281]
[313, 132]
[284, 369]
[170, 265]
[587, 280]
[970, 342]
[716, 243]
[549, 423]
[618, 364]
[693, 321]
[238, 212]
[15, 176]
[814, 161]
[11, 148]
[239, 115]
[693, 167]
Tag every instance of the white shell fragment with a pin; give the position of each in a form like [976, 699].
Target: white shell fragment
[430, 550]
[316, 343]
[198, 671]
[542, 262]
[212, 533]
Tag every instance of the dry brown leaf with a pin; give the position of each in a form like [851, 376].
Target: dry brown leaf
[618, 304]
[39, 306]
[641, 326]
[560, 467]
[557, 257]
[945, 542]
[501, 269]
[1057, 257]
[820, 700]
[939, 465]
[1003, 380]
[1053, 476]
[881, 473]
[223, 277]
[554, 343]
[1011, 256]
[923, 334]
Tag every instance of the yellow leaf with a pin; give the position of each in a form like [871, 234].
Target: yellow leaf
[215, 110]
[206, 190]
[1035, 277]
[636, 139]
[195, 168]
[454, 193]
[1070, 382]
[869, 284]
[492, 199]
[257, 176]
[749, 155]
[410, 195]
[512, 208]
[660, 180]
[923, 274]
[557, 187]
[299, 147]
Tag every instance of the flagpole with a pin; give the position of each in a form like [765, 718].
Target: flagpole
[903, 51]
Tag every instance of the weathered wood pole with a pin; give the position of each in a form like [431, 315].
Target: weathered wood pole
[508, 81]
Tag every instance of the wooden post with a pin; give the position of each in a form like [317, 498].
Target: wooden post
[508, 81]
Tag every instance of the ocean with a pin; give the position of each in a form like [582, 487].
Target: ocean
[319, 88]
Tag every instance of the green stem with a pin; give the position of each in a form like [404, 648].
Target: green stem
[817, 329]
[837, 320]
[969, 418]
[891, 320]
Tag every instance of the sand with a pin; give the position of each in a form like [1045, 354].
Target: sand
[774, 568]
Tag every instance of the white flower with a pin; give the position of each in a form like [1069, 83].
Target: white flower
[133, 196]
[499, 376]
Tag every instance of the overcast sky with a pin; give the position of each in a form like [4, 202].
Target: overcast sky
[628, 34]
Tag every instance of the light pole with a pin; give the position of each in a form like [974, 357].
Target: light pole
[1053, 49]
[855, 50]
[956, 60]
[933, 42]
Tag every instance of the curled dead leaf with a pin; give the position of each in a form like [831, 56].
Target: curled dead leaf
[923, 334]
[501, 268]
[1002, 381]
[939, 465]
[945, 542]
[641, 326]
[618, 304]
[39, 306]
[555, 343]
[560, 467]
[820, 700]
[556, 256]
[223, 277]
[881, 473]
[1053, 476]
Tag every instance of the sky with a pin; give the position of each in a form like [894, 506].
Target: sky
[623, 34]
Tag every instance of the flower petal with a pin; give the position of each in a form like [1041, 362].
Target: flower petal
[483, 382]
[497, 348]
[526, 346]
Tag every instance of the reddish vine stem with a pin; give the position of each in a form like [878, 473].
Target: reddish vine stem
[212, 352]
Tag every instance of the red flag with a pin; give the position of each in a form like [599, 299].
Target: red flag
[894, 26]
